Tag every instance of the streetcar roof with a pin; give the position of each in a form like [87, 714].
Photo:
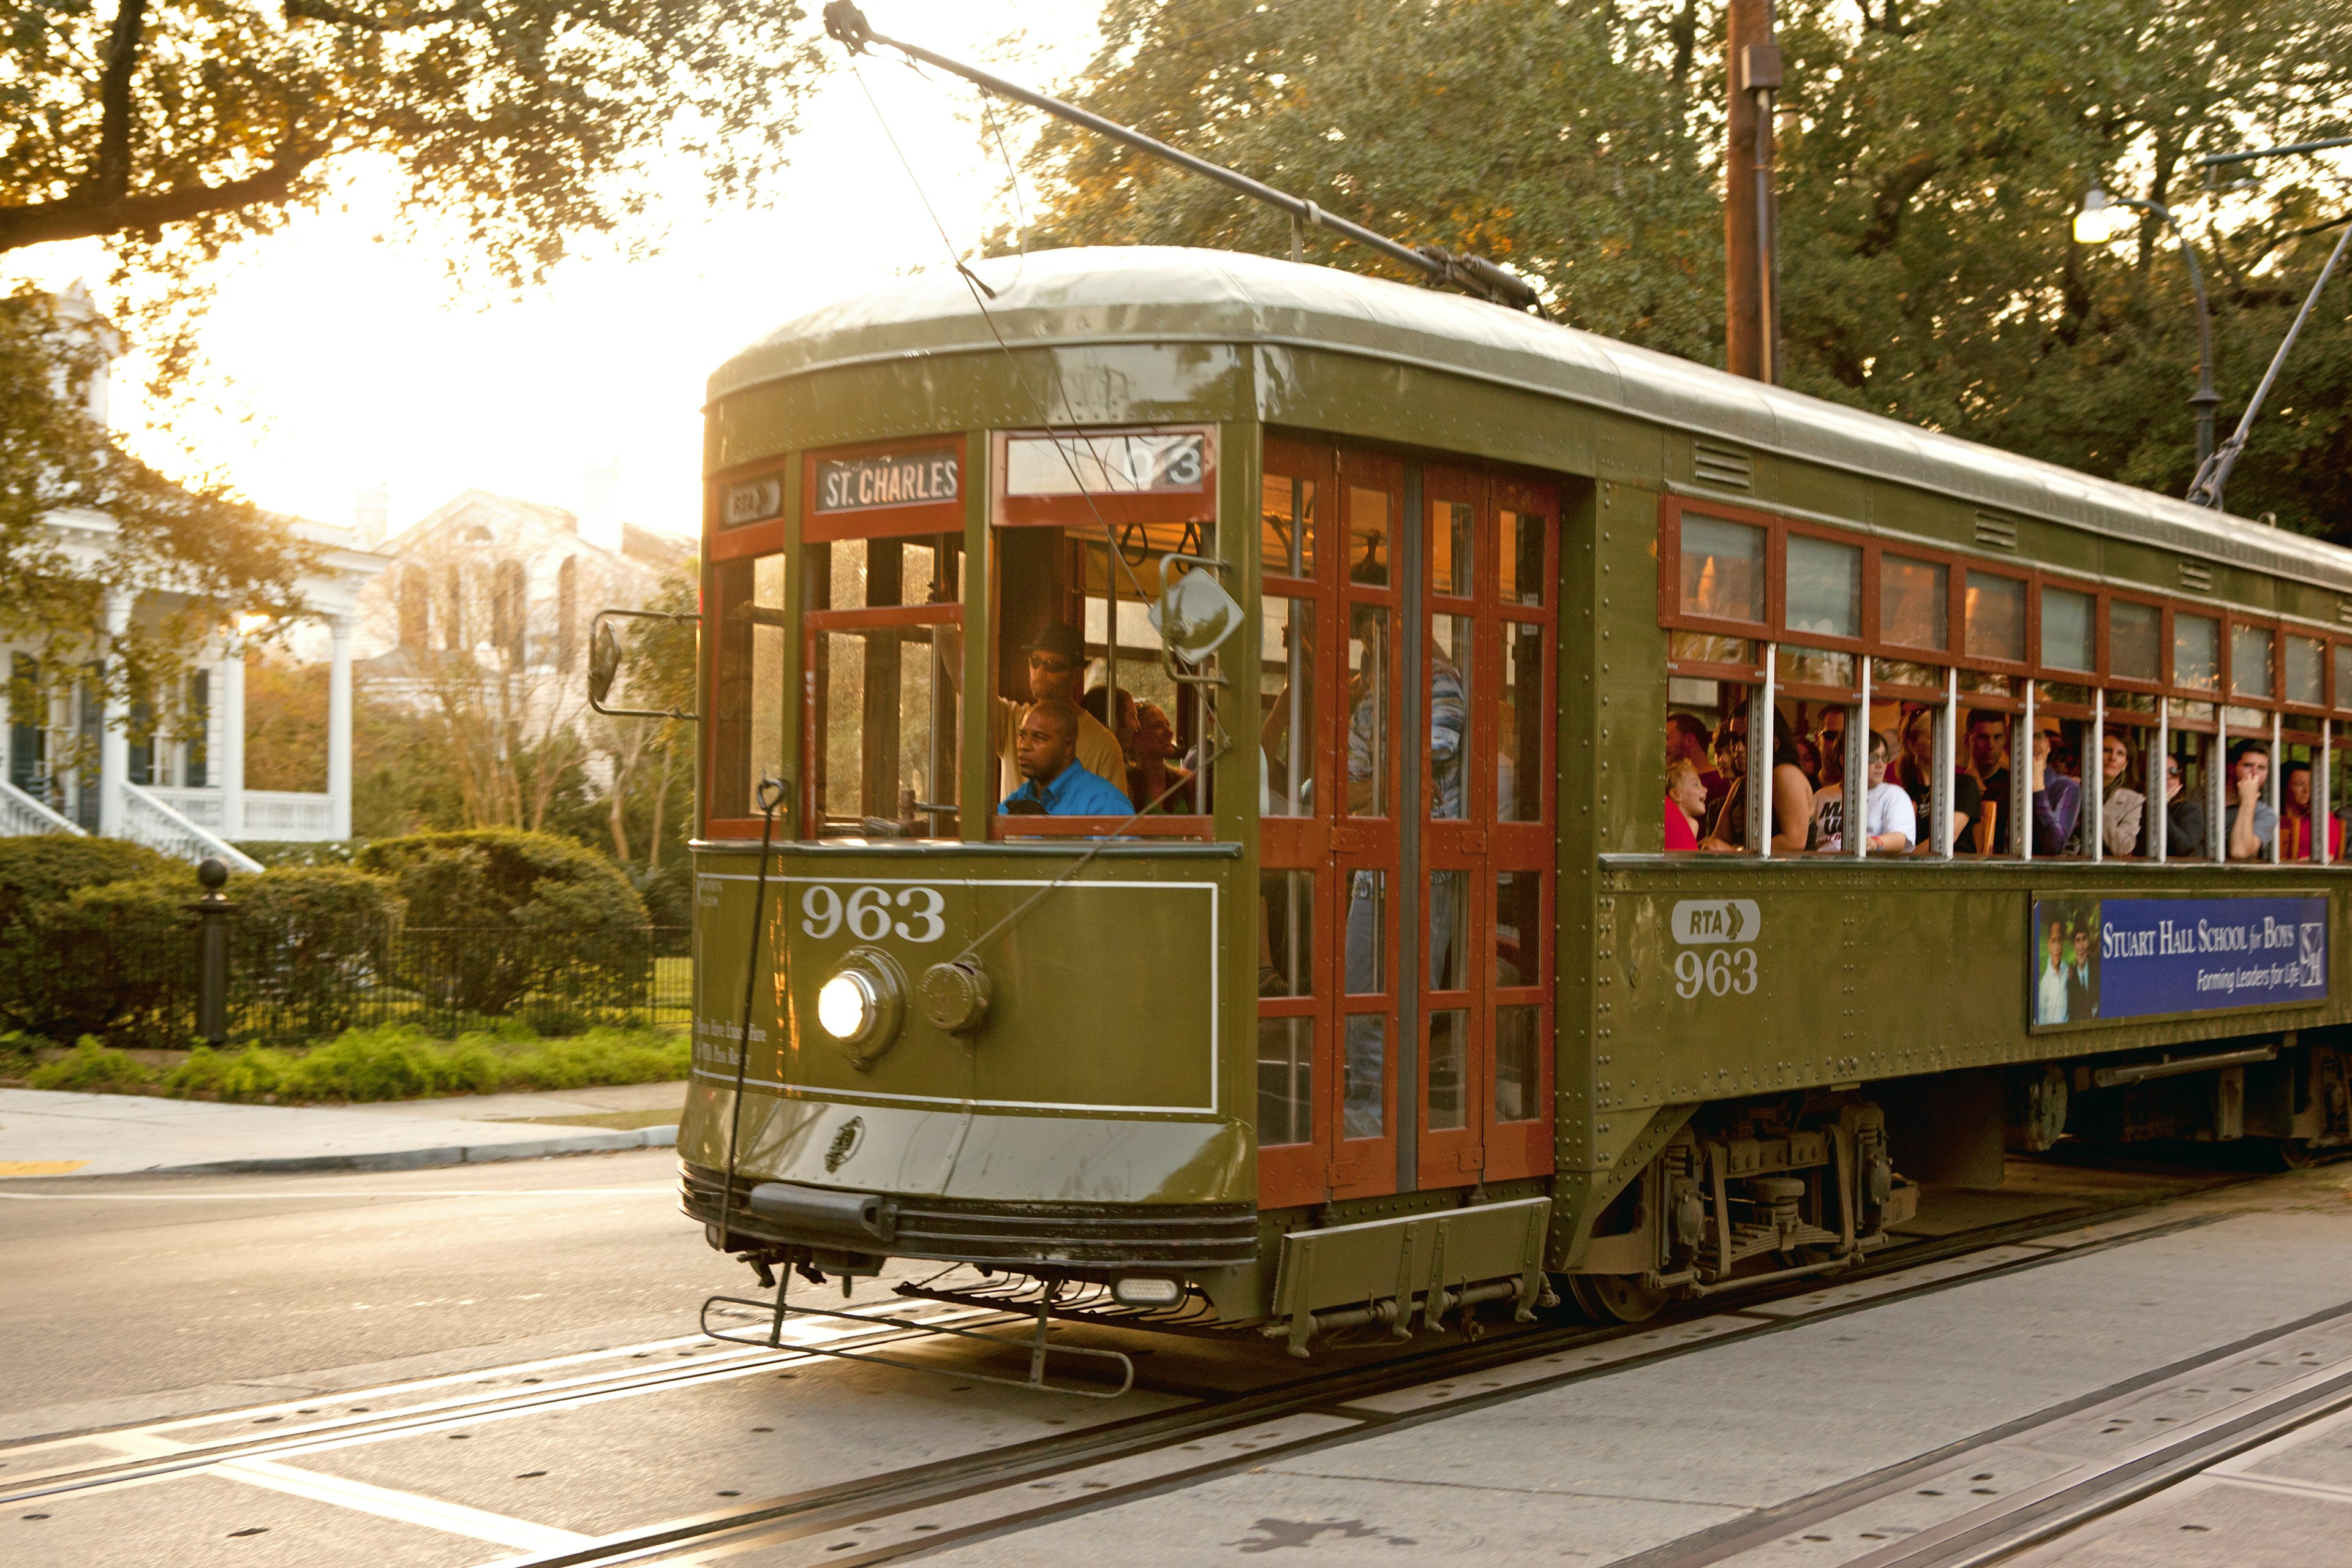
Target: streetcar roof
[1159, 294]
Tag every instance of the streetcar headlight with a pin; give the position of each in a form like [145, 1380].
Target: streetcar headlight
[847, 1008]
[862, 1003]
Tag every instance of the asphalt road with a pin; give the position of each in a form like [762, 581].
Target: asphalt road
[186, 1294]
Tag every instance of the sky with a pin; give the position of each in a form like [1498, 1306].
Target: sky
[346, 362]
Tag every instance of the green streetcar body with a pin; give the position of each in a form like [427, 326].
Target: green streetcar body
[1115, 1071]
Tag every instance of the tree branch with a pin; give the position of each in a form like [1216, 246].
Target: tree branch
[320, 11]
[1887, 208]
[86, 214]
[112, 177]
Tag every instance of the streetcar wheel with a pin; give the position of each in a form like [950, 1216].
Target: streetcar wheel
[1615, 1298]
[2295, 1154]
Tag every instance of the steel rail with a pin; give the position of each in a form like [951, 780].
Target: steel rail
[352, 1428]
[778, 1520]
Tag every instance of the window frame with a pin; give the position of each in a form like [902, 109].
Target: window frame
[897, 521]
[1172, 508]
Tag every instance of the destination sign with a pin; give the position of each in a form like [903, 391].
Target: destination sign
[888, 479]
[2099, 959]
[1133, 464]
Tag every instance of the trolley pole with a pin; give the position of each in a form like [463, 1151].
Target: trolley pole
[212, 935]
[1750, 274]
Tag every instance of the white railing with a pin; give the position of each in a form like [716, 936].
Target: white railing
[288, 815]
[204, 808]
[22, 816]
[147, 820]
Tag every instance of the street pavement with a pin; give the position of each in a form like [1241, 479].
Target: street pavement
[47, 1134]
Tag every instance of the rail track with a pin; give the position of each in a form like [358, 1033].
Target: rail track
[921, 1507]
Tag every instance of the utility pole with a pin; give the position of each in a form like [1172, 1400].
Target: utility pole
[1751, 283]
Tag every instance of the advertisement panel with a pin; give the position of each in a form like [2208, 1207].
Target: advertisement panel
[2097, 959]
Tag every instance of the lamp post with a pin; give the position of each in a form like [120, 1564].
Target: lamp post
[2103, 219]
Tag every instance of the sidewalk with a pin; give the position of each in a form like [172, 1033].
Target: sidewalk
[53, 1134]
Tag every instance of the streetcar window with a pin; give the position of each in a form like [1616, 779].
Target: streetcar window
[1985, 757]
[2067, 626]
[1722, 569]
[747, 732]
[2196, 653]
[2300, 808]
[2134, 640]
[2057, 793]
[1521, 561]
[1518, 1063]
[2305, 680]
[1286, 702]
[2124, 789]
[2186, 780]
[1914, 602]
[882, 688]
[1519, 929]
[1453, 553]
[1286, 526]
[1519, 765]
[1370, 700]
[1285, 1044]
[2344, 674]
[1451, 649]
[1706, 728]
[1367, 534]
[2250, 661]
[1824, 586]
[1995, 616]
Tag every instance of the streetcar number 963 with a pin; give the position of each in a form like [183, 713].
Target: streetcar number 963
[872, 913]
[1719, 971]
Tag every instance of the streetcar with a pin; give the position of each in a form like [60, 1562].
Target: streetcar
[1374, 998]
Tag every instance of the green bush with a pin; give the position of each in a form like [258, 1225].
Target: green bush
[304, 942]
[402, 1062]
[276, 853]
[48, 868]
[480, 901]
[91, 1069]
[111, 960]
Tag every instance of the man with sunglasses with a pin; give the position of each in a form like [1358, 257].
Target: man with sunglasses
[1057, 668]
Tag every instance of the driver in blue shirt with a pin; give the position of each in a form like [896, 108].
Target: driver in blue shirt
[1053, 784]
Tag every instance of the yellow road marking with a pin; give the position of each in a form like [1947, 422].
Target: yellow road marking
[40, 1167]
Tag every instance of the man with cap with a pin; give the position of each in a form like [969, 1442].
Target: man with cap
[1057, 668]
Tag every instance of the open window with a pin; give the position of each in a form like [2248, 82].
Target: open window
[1088, 529]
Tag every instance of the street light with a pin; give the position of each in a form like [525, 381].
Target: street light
[2105, 218]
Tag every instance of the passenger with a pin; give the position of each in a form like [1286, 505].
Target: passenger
[1727, 818]
[2121, 807]
[1688, 741]
[1829, 746]
[1054, 783]
[2252, 823]
[2050, 989]
[2294, 808]
[1915, 771]
[1151, 777]
[1989, 762]
[2184, 819]
[1057, 664]
[1792, 798]
[2057, 800]
[1686, 803]
[1093, 705]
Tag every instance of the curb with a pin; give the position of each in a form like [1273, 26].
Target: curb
[598, 1143]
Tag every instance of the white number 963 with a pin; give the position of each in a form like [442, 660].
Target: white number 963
[1722, 972]
[866, 913]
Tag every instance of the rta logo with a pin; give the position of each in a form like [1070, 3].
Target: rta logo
[844, 1143]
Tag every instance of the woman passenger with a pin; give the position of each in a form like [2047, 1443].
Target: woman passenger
[1792, 800]
[2294, 817]
[2120, 806]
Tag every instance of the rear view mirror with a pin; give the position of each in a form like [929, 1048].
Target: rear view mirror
[603, 663]
[1194, 615]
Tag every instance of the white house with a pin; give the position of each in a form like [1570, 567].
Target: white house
[76, 769]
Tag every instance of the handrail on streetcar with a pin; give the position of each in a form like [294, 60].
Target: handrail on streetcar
[604, 663]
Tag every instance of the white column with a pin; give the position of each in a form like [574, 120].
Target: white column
[339, 728]
[230, 751]
[114, 736]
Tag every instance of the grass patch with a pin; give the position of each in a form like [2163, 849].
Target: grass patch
[403, 1062]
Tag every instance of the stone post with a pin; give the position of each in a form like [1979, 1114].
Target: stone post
[339, 728]
[114, 734]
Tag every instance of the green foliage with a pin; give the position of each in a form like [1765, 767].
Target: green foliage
[92, 1069]
[1935, 155]
[275, 854]
[499, 875]
[456, 885]
[107, 960]
[46, 869]
[400, 1062]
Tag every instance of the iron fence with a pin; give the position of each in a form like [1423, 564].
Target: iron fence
[138, 983]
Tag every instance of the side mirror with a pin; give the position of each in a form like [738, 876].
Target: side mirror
[603, 663]
[1194, 614]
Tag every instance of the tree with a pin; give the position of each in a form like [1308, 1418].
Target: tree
[649, 758]
[172, 130]
[1932, 157]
